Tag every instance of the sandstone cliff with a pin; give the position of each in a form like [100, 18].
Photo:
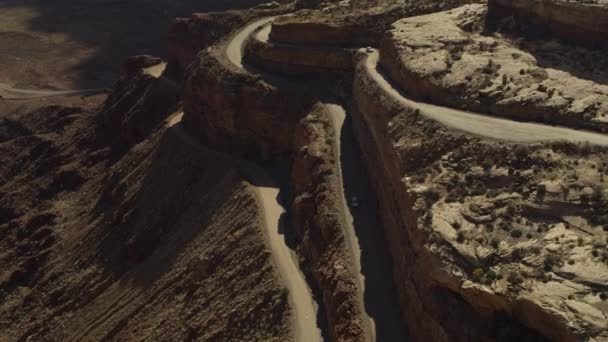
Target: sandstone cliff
[298, 60]
[442, 59]
[318, 219]
[188, 36]
[235, 111]
[464, 276]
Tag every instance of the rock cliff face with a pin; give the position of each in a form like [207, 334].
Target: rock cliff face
[442, 59]
[298, 60]
[138, 103]
[319, 221]
[580, 22]
[320, 33]
[232, 110]
[459, 277]
[188, 36]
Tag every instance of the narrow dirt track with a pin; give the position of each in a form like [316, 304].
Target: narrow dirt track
[481, 125]
[9, 93]
[365, 237]
[300, 296]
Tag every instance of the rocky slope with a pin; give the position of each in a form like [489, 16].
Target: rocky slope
[480, 251]
[580, 22]
[106, 241]
[352, 24]
[442, 59]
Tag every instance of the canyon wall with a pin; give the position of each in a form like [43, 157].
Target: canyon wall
[232, 110]
[188, 36]
[237, 112]
[580, 22]
[318, 219]
[319, 33]
[439, 304]
[298, 60]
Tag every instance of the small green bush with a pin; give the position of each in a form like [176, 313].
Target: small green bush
[516, 233]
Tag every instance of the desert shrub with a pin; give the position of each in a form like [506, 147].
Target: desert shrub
[521, 151]
[478, 273]
[551, 261]
[515, 279]
[460, 238]
[516, 233]
[492, 193]
[431, 195]
[541, 192]
[284, 293]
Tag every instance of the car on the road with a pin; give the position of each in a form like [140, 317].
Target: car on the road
[354, 201]
[369, 49]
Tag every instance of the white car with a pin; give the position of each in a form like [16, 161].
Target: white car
[354, 202]
[369, 49]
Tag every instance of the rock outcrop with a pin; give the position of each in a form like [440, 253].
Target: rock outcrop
[579, 22]
[232, 110]
[188, 36]
[318, 219]
[298, 60]
[441, 58]
[473, 277]
[139, 102]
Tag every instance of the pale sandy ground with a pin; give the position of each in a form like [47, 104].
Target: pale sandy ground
[483, 125]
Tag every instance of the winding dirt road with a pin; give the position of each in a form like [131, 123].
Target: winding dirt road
[365, 237]
[9, 93]
[481, 125]
[300, 296]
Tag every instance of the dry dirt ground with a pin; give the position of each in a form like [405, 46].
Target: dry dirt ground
[81, 43]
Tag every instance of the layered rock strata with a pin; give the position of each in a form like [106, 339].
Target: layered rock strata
[297, 60]
[440, 58]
